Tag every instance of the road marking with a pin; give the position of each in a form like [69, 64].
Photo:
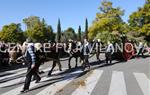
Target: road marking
[16, 74]
[143, 82]
[12, 71]
[16, 91]
[20, 80]
[9, 76]
[117, 86]
[90, 83]
[52, 89]
[12, 82]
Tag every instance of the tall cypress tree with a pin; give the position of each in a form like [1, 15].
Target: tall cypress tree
[58, 31]
[86, 28]
[79, 33]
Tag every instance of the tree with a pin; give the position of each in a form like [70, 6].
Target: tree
[38, 30]
[86, 28]
[31, 21]
[106, 36]
[50, 35]
[108, 19]
[79, 33]
[58, 35]
[12, 33]
[140, 20]
[69, 34]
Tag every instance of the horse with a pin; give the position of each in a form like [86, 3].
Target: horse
[54, 54]
[74, 51]
[14, 54]
[4, 55]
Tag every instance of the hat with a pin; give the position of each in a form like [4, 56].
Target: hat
[25, 44]
[98, 40]
[70, 40]
[38, 45]
[30, 44]
[28, 40]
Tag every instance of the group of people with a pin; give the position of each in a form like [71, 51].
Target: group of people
[34, 55]
[74, 48]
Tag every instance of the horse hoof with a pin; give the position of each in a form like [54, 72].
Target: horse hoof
[41, 72]
[83, 69]
[49, 74]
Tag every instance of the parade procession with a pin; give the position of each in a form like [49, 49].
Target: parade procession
[107, 55]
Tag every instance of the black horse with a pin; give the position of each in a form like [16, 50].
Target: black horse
[4, 55]
[54, 54]
[75, 52]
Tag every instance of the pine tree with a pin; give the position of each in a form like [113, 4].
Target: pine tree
[86, 28]
[79, 33]
[58, 31]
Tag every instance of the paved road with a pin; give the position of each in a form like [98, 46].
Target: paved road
[119, 78]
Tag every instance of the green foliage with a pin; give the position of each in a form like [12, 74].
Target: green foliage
[82, 36]
[12, 33]
[58, 35]
[31, 21]
[108, 25]
[108, 19]
[106, 36]
[68, 34]
[134, 36]
[140, 20]
[38, 30]
[86, 28]
[79, 33]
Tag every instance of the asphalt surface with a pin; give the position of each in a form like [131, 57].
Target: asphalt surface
[119, 78]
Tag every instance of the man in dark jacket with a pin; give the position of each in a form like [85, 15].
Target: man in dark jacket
[109, 52]
[32, 67]
[98, 47]
[86, 53]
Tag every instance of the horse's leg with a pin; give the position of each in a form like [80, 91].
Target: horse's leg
[53, 66]
[80, 60]
[83, 66]
[87, 61]
[76, 62]
[98, 55]
[69, 66]
[60, 67]
[10, 62]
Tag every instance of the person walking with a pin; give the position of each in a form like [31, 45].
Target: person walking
[40, 56]
[141, 49]
[32, 66]
[109, 52]
[86, 53]
[98, 47]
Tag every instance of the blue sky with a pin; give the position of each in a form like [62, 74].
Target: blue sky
[72, 13]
